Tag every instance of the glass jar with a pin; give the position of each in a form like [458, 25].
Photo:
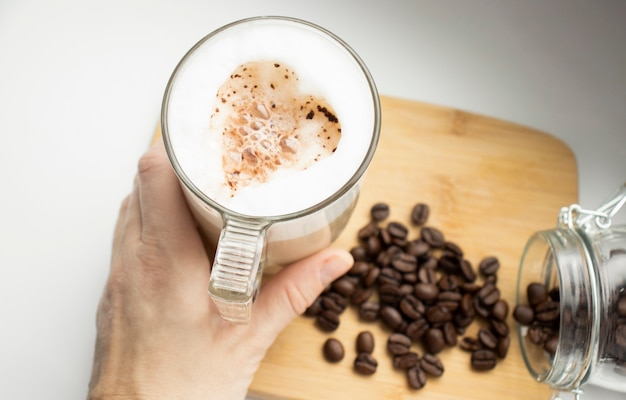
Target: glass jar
[571, 300]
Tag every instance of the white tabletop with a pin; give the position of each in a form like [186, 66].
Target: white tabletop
[80, 90]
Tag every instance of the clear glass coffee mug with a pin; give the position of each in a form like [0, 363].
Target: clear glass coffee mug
[244, 244]
[583, 263]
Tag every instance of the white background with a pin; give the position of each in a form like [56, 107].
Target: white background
[80, 89]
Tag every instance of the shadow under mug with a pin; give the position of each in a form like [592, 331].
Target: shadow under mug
[243, 244]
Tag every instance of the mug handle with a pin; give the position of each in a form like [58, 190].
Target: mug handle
[238, 268]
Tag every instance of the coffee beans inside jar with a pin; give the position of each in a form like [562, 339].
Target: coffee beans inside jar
[426, 294]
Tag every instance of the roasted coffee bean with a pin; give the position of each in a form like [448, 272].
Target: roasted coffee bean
[547, 311]
[412, 307]
[359, 268]
[551, 344]
[503, 346]
[491, 279]
[429, 263]
[462, 321]
[438, 313]
[466, 305]
[433, 236]
[500, 328]
[470, 288]
[500, 310]
[450, 299]
[523, 314]
[365, 342]
[450, 264]
[406, 361]
[433, 341]
[371, 277]
[385, 237]
[389, 294]
[343, 286]
[449, 334]
[398, 344]
[418, 248]
[361, 295]
[333, 350]
[416, 377]
[365, 364]
[420, 213]
[391, 317]
[554, 294]
[483, 360]
[416, 329]
[536, 293]
[432, 365]
[334, 302]
[480, 308]
[389, 276]
[538, 334]
[488, 294]
[404, 263]
[314, 308]
[453, 248]
[487, 339]
[379, 211]
[369, 311]
[489, 266]
[406, 289]
[410, 277]
[359, 253]
[427, 275]
[467, 271]
[367, 231]
[426, 291]
[448, 283]
[397, 230]
[469, 344]
[373, 246]
[327, 320]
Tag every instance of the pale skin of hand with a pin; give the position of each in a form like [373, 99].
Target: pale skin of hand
[158, 334]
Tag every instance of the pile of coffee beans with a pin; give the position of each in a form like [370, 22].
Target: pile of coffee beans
[424, 291]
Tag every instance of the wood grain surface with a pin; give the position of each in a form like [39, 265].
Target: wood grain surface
[490, 184]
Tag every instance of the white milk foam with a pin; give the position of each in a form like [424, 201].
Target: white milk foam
[325, 70]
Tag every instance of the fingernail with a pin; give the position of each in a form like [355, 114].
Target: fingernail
[335, 266]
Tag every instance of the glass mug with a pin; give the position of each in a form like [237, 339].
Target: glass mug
[583, 264]
[318, 200]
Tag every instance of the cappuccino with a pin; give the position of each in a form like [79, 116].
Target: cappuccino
[270, 119]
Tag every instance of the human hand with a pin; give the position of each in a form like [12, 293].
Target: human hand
[158, 334]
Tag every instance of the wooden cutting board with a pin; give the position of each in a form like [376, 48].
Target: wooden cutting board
[490, 184]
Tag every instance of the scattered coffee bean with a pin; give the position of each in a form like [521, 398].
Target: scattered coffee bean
[365, 342]
[434, 341]
[487, 339]
[469, 344]
[500, 310]
[405, 361]
[398, 344]
[327, 320]
[433, 236]
[416, 377]
[365, 364]
[333, 350]
[369, 311]
[489, 266]
[419, 214]
[431, 365]
[483, 360]
[379, 211]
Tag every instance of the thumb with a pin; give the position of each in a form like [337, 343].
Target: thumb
[294, 288]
